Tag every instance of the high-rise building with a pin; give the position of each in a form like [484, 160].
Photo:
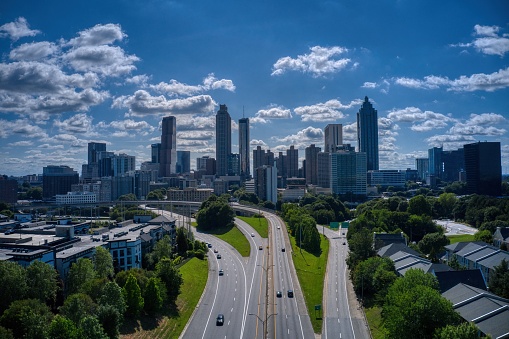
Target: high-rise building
[57, 180]
[348, 172]
[265, 178]
[155, 153]
[223, 140]
[234, 164]
[312, 164]
[93, 149]
[367, 133]
[245, 171]
[8, 190]
[206, 165]
[262, 158]
[122, 164]
[324, 169]
[333, 137]
[483, 168]
[453, 164]
[435, 162]
[183, 162]
[168, 153]
[421, 164]
[292, 160]
[105, 164]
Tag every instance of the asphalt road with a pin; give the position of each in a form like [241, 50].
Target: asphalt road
[454, 228]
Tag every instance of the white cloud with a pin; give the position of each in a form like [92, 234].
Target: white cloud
[488, 41]
[258, 142]
[320, 61]
[421, 121]
[17, 29]
[21, 127]
[78, 123]
[309, 135]
[140, 80]
[272, 112]
[176, 88]
[21, 143]
[142, 103]
[369, 85]
[98, 35]
[193, 123]
[34, 51]
[328, 111]
[480, 124]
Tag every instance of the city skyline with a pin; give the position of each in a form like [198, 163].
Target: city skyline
[68, 78]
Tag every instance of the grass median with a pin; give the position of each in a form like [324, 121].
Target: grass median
[311, 273]
[234, 237]
[259, 224]
[460, 238]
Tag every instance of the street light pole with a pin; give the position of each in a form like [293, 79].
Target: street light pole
[264, 325]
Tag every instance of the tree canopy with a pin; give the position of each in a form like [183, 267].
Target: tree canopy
[215, 213]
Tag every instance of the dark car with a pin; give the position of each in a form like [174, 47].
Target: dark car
[221, 272]
[279, 294]
[209, 245]
[215, 250]
[219, 256]
[344, 243]
[220, 320]
[260, 247]
[290, 293]
[283, 250]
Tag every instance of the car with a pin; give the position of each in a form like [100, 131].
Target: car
[279, 294]
[9, 231]
[221, 272]
[290, 293]
[215, 250]
[344, 243]
[219, 256]
[278, 227]
[252, 234]
[283, 250]
[260, 247]
[220, 320]
[209, 245]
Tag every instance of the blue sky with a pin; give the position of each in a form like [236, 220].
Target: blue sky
[78, 71]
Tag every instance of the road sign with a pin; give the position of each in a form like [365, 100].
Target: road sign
[318, 307]
[334, 224]
[345, 224]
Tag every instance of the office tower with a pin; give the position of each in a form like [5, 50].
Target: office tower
[155, 153]
[312, 164]
[483, 168]
[105, 164]
[245, 170]
[233, 164]
[183, 162]
[367, 133]
[266, 183]
[323, 169]
[8, 190]
[122, 164]
[422, 165]
[348, 172]
[262, 157]
[333, 137]
[168, 154]
[57, 180]
[206, 165]
[292, 156]
[453, 164]
[435, 162]
[223, 140]
[93, 149]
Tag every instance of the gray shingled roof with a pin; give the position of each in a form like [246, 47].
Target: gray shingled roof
[449, 279]
[391, 249]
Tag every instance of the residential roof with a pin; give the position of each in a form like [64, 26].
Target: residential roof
[449, 279]
[504, 232]
[460, 245]
[494, 260]
[383, 239]
[489, 312]
[471, 248]
[160, 219]
[393, 248]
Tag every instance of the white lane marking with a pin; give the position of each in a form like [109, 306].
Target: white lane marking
[348, 306]
[213, 303]
[231, 310]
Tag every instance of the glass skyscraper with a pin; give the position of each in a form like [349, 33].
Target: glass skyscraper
[483, 166]
[168, 152]
[367, 133]
[245, 171]
[223, 140]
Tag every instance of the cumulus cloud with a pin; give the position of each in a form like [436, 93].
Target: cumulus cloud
[480, 124]
[78, 123]
[98, 35]
[369, 85]
[21, 143]
[328, 111]
[193, 123]
[320, 61]
[21, 127]
[142, 103]
[17, 29]
[176, 88]
[475, 82]
[307, 135]
[421, 121]
[34, 51]
[488, 41]
[272, 112]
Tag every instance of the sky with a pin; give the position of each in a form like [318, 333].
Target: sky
[73, 72]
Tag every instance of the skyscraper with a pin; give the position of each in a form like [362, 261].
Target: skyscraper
[183, 162]
[223, 140]
[155, 153]
[168, 153]
[312, 164]
[93, 149]
[483, 167]
[292, 158]
[435, 161]
[348, 172]
[245, 171]
[333, 137]
[57, 180]
[367, 133]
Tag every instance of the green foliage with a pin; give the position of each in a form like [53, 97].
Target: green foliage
[112, 295]
[418, 205]
[162, 249]
[27, 318]
[485, 236]
[418, 226]
[492, 225]
[372, 277]
[182, 243]
[245, 197]
[110, 320]
[142, 276]
[91, 328]
[414, 307]
[13, 283]
[152, 297]
[214, 213]
[132, 295]
[171, 278]
[127, 197]
[432, 244]
[156, 195]
[361, 247]
[42, 279]
[447, 202]
[499, 279]
[80, 276]
[103, 263]
[77, 306]
[465, 330]
[6, 333]
[63, 328]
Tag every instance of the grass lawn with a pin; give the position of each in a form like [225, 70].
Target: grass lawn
[374, 316]
[259, 224]
[460, 238]
[311, 273]
[171, 324]
[234, 237]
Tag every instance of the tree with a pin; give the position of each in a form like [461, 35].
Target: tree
[418, 205]
[485, 236]
[63, 328]
[42, 279]
[103, 263]
[142, 276]
[499, 278]
[110, 319]
[132, 295]
[215, 213]
[6, 333]
[27, 318]
[361, 247]
[13, 283]
[171, 278]
[411, 299]
[464, 330]
[181, 239]
[77, 306]
[153, 298]
[373, 276]
[80, 276]
[432, 243]
[447, 201]
[112, 295]
[91, 328]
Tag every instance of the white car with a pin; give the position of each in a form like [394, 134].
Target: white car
[252, 234]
